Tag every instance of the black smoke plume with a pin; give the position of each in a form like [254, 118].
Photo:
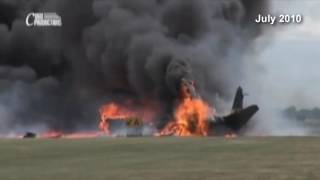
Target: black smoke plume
[57, 77]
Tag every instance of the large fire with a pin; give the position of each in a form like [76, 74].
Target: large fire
[190, 119]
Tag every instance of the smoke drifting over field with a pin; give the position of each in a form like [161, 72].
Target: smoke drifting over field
[57, 77]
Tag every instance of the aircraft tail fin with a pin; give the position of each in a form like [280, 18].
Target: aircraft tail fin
[238, 100]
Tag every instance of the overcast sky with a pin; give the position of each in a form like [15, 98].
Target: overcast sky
[292, 58]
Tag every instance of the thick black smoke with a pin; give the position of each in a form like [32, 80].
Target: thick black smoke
[114, 49]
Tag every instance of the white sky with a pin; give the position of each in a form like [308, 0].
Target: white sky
[292, 59]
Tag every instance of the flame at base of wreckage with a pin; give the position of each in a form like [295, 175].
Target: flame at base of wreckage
[190, 119]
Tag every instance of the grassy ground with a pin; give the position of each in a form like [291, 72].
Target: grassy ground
[161, 158]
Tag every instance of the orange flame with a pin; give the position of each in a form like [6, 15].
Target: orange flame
[146, 111]
[191, 119]
[112, 111]
[51, 134]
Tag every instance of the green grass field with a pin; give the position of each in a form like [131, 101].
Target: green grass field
[161, 158]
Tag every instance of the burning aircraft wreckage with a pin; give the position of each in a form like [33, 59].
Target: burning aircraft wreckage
[146, 67]
[192, 116]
